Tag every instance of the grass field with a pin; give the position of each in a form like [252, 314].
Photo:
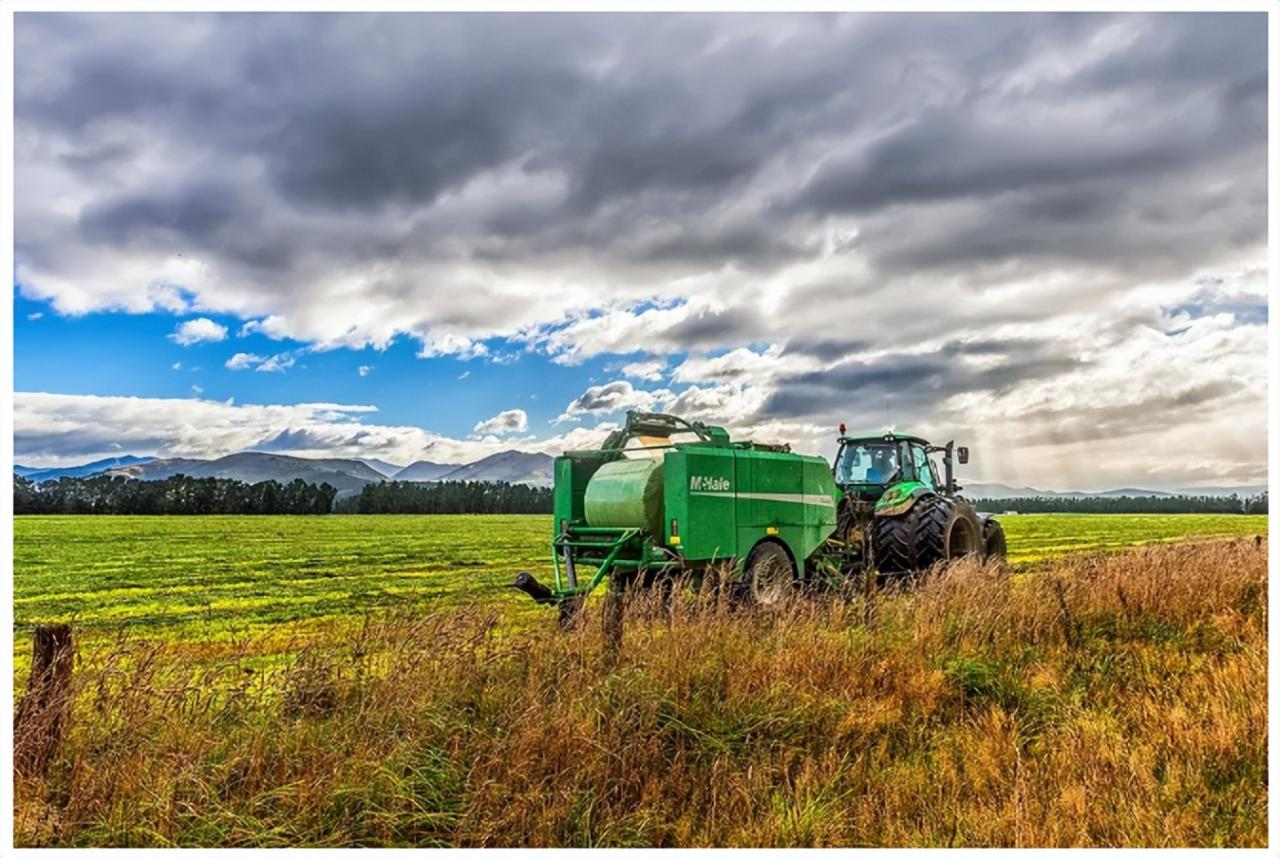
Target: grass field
[1113, 701]
[210, 577]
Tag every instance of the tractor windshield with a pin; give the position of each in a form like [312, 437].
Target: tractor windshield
[926, 473]
[869, 463]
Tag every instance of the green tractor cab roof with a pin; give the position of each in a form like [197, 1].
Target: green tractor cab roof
[878, 437]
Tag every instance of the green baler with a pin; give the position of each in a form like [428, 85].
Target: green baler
[665, 494]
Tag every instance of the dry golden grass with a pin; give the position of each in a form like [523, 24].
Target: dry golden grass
[1107, 701]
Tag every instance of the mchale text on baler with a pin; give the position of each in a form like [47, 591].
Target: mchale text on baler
[664, 495]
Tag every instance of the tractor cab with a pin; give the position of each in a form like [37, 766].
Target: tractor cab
[866, 466]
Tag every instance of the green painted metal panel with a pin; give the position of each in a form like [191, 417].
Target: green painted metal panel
[787, 497]
[700, 499]
[626, 493]
[562, 498]
[675, 499]
[820, 516]
[771, 488]
[572, 473]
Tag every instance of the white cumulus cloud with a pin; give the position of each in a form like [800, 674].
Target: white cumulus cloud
[258, 363]
[646, 370]
[199, 331]
[277, 363]
[243, 360]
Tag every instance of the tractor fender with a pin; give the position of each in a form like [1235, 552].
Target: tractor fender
[899, 498]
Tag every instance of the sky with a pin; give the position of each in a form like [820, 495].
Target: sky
[436, 236]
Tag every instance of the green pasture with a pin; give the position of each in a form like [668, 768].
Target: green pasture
[205, 577]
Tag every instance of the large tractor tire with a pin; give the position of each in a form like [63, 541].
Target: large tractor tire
[935, 529]
[993, 539]
[770, 575]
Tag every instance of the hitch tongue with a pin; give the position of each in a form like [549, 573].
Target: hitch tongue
[530, 585]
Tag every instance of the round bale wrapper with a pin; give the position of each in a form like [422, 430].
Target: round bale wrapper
[626, 493]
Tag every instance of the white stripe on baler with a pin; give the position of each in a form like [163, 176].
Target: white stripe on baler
[815, 500]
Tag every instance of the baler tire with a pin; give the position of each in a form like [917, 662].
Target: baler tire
[993, 538]
[770, 574]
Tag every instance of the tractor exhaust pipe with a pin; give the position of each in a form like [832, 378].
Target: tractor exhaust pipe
[536, 590]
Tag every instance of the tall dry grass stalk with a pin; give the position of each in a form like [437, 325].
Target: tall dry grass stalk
[1105, 701]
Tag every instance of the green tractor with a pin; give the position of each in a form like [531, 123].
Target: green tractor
[899, 514]
[665, 495]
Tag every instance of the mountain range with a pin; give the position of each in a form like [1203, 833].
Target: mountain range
[88, 469]
[346, 475]
[511, 466]
[995, 491]
[349, 476]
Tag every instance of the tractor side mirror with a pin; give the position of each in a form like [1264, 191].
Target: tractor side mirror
[962, 454]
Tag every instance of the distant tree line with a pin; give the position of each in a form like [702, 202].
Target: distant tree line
[1255, 505]
[447, 497]
[177, 495]
[182, 495]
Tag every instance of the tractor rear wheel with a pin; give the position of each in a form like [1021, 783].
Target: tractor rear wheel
[993, 539]
[936, 529]
[893, 538]
[771, 577]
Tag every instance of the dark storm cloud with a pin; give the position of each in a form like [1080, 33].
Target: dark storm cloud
[916, 383]
[995, 137]
[1139, 228]
[204, 215]
[827, 349]
[605, 397]
[1093, 423]
[190, 213]
[708, 328]
[663, 116]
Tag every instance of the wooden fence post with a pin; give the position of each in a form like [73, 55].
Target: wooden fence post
[1070, 630]
[41, 718]
[611, 620]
